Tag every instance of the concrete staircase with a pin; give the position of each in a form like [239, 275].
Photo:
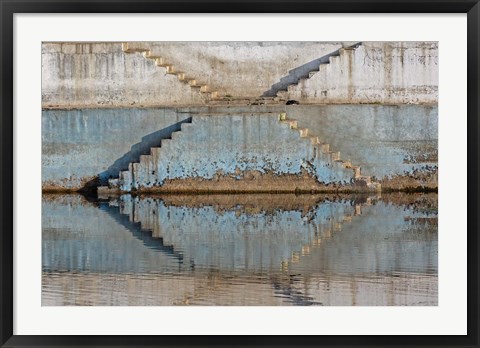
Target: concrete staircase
[213, 147]
[322, 149]
[125, 179]
[193, 82]
[212, 96]
[283, 95]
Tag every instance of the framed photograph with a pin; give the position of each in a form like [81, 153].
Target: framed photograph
[239, 174]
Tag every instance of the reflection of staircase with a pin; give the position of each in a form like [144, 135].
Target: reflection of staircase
[324, 232]
[283, 95]
[182, 157]
[160, 61]
[228, 235]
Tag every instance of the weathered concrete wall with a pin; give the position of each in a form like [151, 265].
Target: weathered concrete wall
[92, 145]
[388, 142]
[102, 75]
[374, 72]
[396, 144]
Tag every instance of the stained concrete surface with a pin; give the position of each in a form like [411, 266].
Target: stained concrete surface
[388, 142]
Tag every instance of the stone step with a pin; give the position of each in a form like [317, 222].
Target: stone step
[314, 140]
[148, 54]
[303, 132]
[171, 70]
[161, 62]
[197, 88]
[344, 164]
[124, 173]
[325, 148]
[264, 101]
[374, 186]
[335, 155]
[222, 100]
[311, 74]
[346, 50]
[166, 142]
[113, 182]
[291, 123]
[331, 59]
[144, 159]
[187, 80]
[324, 66]
[155, 151]
[181, 76]
[176, 135]
[291, 88]
[135, 167]
[186, 126]
[357, 171]
[365, 179]
[302, 81]
[134, 47]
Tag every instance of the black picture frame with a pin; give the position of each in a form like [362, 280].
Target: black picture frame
[9, 7]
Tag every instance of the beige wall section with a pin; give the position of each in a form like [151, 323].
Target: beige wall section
[374, 72]
[186, 73]
[238, 69]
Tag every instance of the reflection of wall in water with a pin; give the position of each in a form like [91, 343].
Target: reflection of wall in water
[330, 237]
[235, 239]
[77, 236]
[383, 238]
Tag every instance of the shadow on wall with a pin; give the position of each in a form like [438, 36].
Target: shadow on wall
[301, 72]
[142, 148]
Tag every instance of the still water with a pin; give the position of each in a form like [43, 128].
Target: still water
[240, 250]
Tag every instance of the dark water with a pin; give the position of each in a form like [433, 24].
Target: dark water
[240, 250]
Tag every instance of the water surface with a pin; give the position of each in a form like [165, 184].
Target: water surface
[240, 250]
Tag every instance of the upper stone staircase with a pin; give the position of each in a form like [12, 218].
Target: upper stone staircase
[193, 82]
[283, 95]
[211, 94]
